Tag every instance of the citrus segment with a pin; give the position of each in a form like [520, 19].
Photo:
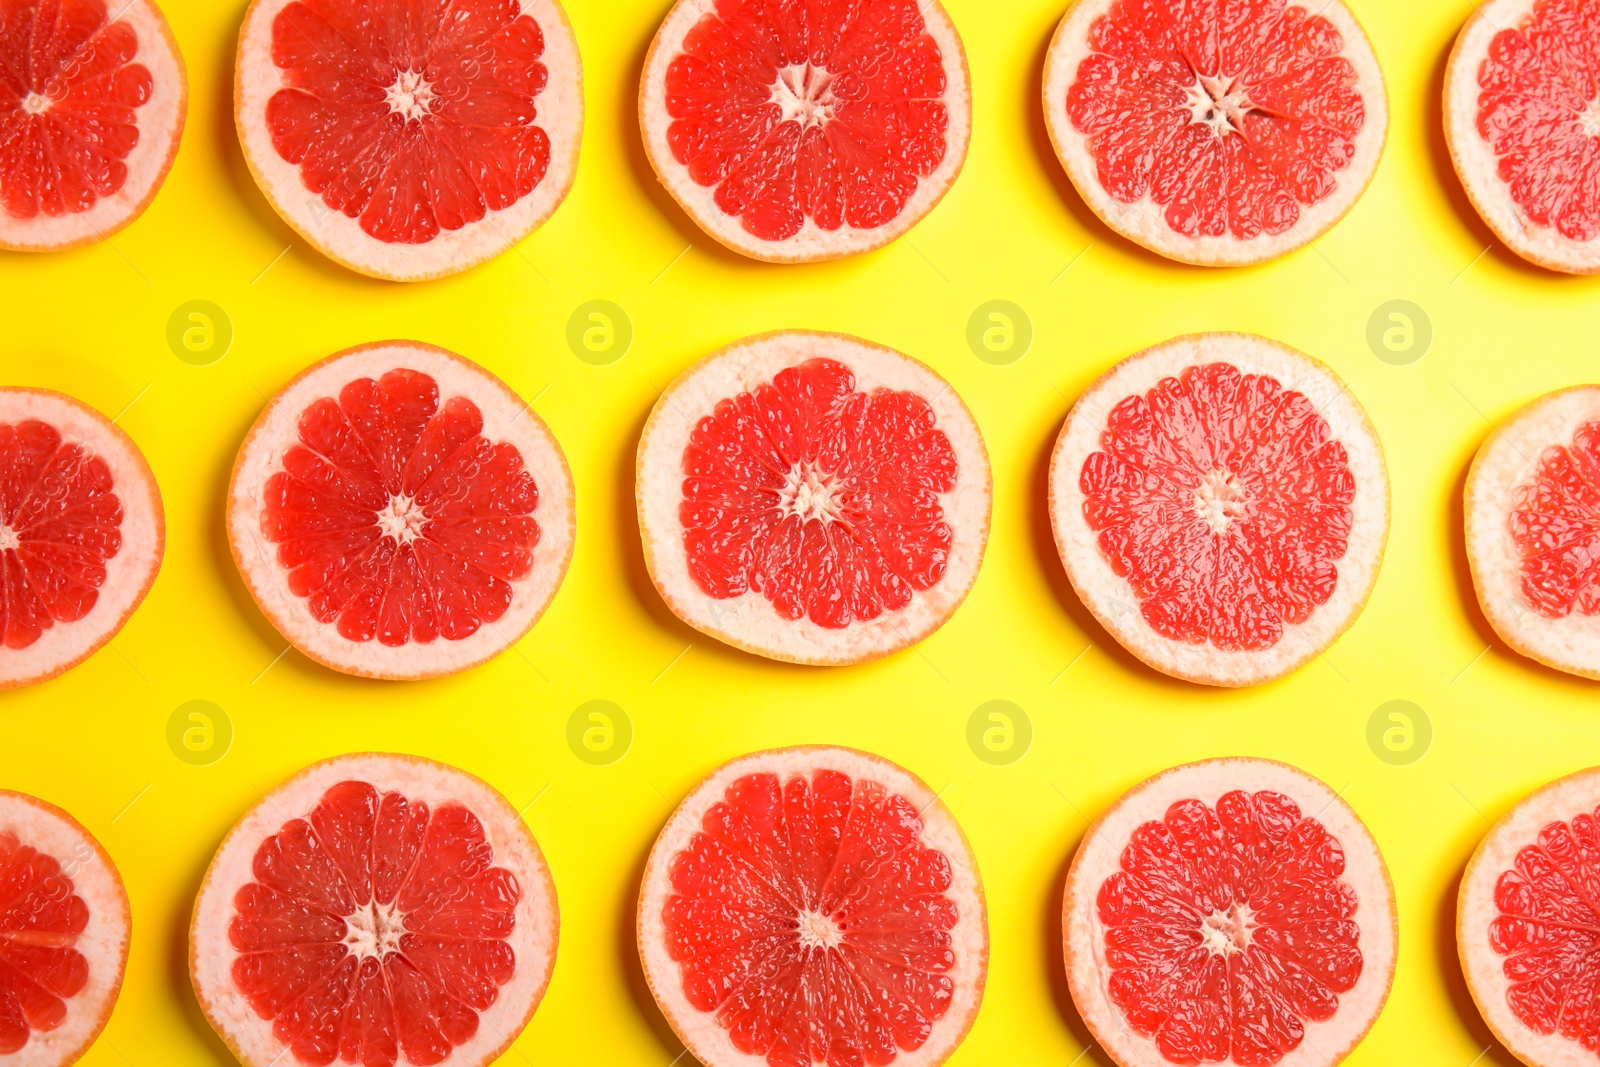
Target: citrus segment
[813, 498]
[1216, 134]
[796, 132]
[394, 500]
[1556, 525]
[811, 906]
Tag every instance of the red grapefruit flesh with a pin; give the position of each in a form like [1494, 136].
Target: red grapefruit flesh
[410, 141]
[799, 132]
[1533, 530]
[1522, 118]
[375, 910]
[1230, 911]
[64, 925]
[398, 512]
[1221, 505]
[81, 533]
[1216, 134]
[1526, 924]
[813, 498]
[814, 905]
[92, 105]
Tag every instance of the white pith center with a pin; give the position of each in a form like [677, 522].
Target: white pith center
[410, 97]
[809, 493]
[402, 519]
[8, 538]
[804, 94]
[35, 103]
[1219, 101]
[1590, 118]
[374, 930]
[1219, 500]
[1227, 932]
[819, 931]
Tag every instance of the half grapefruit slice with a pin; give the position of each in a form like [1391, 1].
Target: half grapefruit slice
[81, 533]
[1533, 530]
[1216, 134]
[92, 104]
[813, 498]
[1229, 911]
[1221, 505]
[64, 924]
[410, 141]
[813, 905]
[398, 512]
[799, 132]
[1527, 920]
[374, 909]
[1522, 119]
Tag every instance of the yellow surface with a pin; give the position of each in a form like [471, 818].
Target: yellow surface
[93, 322]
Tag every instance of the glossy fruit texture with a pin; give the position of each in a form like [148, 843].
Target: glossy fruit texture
[826, 112]
[396, 519]
[810, 918]
[60, 522]
[373, 928]
[412, 118]
[1224, 501]
[1229, 928]
[1555, 523]
[1232, 117]
[822, 498]
[69, 90]
[41, 918]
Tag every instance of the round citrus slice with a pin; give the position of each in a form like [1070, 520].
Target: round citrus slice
[399, 512]
[814, 905]
[374, 909]
[92, 103]
[410, 141]
[1221, 505]
[1533, 530]
[81, 533]
[1216, 134]
[1522, 118]
[64, 925]
[1230, 911]
[813, 498]
[799, 132]
[1528, 924]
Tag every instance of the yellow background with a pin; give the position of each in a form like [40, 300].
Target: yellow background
[93, 322]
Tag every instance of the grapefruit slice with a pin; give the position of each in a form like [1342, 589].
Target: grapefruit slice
[81, 533]
[1533, 530]
[64, 925]
[814, 905]
[1521, 118]
[799, 132]
[398, 512]
[1215, 134]
[1229, 911]
[1221, 505]
[410, 141]
[374, 909]
[1527, 920]
[92, 105]
[813, 498]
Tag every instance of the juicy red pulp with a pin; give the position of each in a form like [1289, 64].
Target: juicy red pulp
[1225, 501]
[375, 927]
[1228, 928]
[1555, 522]
[41, 917]
[396, 519]
[414, 118]
[823, 499]
[796, 111]
[60, 522]
[811, 920]
[1231, 116]
[69, 88]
